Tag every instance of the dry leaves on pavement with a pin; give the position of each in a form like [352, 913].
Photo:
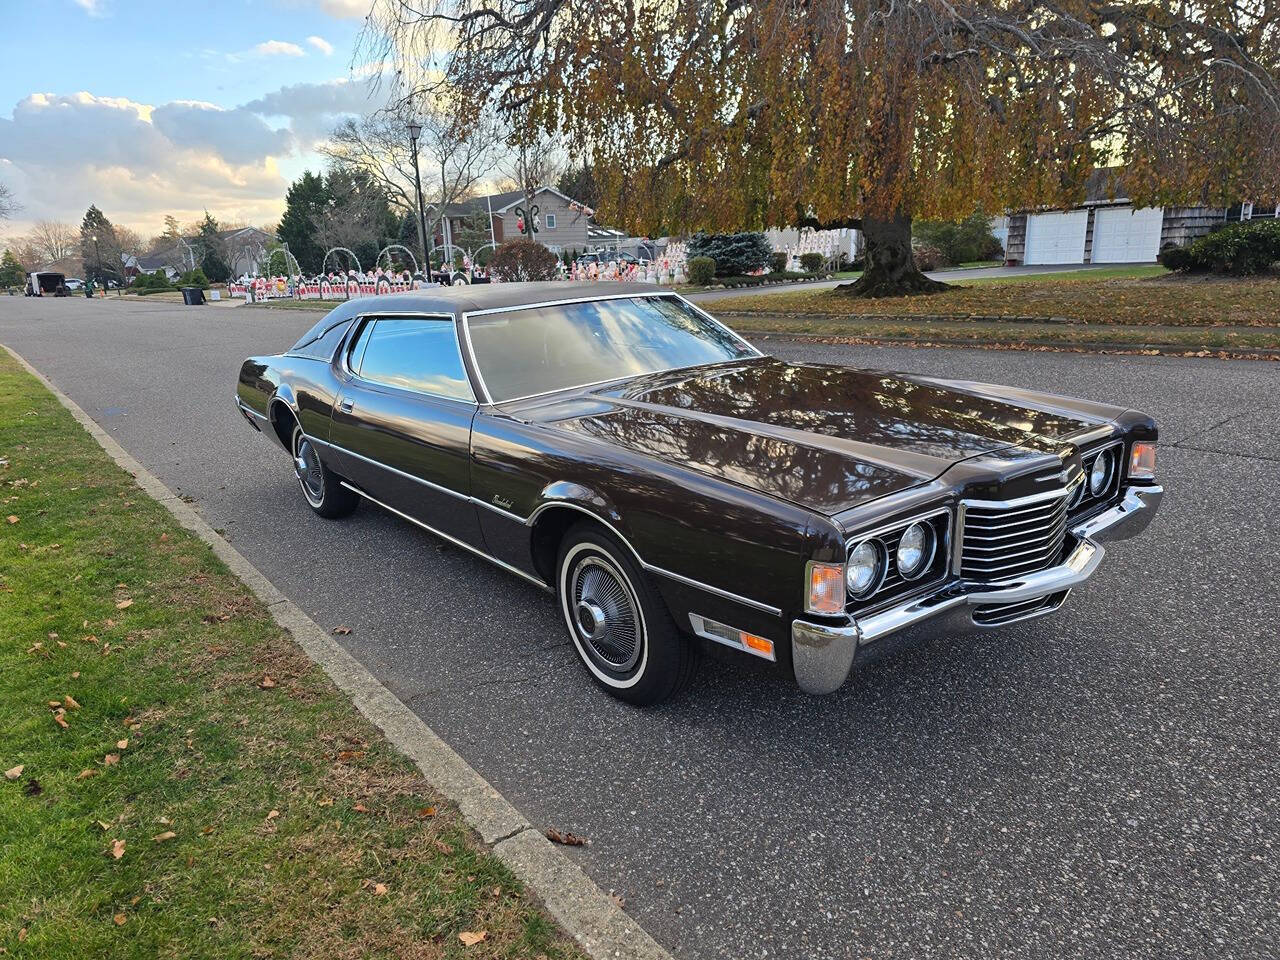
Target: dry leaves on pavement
[566, 838]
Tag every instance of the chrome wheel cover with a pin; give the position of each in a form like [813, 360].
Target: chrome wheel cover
[601, 609]
[306, 464]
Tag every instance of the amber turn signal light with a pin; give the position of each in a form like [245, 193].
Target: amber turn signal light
[826, 589]
[1142, 461]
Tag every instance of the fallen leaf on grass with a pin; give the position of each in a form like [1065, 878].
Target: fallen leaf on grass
[325, 802]
[54, 704]
[13, 773]
[124, 604]
[86, 774]
[70, 702]
[163, 837]
[103, 826]
[22, 935]
[426, 813]
[75, 675]
[122, 744]
[471, 938]
[205, 831]
[360, 808]
[164, 538]
[60, 718]
[379, 889]
[350, 754]
[273, 814]
[111, 759]
[11, 518]
[117, 849]
[566, 838]
[266, 683]
[341, 631]
[119, 919]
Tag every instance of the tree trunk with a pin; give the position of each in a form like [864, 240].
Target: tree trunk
[890, 270]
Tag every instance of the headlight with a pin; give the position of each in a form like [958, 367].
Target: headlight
[915, 550]
[1100, 474]
[864, 569]
[1142, 461]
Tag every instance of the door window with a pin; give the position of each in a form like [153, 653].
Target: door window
[413, 354]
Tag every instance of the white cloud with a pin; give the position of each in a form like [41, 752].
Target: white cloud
[139, 161]
[91, 7]
[321, 44]
[278, 48]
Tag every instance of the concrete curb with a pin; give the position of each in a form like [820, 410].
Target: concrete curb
[585, 911]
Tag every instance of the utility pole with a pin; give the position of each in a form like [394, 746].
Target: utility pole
[415, 130]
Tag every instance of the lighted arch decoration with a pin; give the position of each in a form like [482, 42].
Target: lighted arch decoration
[324, 264]
[387, 251]
[291, 266]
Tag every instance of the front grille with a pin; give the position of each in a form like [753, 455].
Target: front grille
[1004, 542]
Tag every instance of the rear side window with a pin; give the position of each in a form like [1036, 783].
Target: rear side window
[413, 354]
[323, 346]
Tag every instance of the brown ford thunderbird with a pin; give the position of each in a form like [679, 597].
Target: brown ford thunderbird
[674, 488]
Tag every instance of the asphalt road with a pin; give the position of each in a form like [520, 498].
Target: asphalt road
[1099, 783]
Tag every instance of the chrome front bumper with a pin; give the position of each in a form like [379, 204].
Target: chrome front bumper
[823, 653]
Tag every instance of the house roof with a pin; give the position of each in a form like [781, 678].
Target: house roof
[500, 202]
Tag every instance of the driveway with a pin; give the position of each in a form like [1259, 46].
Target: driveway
[1098, 783]
[949, 276]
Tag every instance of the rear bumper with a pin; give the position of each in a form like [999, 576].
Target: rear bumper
[823, 653]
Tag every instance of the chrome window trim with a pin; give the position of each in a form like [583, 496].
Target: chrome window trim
[484, 387]
[454, 540]
[358, 325]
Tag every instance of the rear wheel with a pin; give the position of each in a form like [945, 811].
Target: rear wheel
[321, 487]
[619, 625]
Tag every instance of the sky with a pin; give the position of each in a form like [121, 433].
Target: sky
[152, 108]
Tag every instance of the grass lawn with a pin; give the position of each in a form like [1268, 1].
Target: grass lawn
[1125, 296]
[182, 781]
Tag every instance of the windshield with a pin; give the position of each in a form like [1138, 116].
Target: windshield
[524, 352]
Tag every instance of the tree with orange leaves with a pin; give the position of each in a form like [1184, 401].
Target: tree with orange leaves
[725, 114]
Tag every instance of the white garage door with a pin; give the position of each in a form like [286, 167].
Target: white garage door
[1056, 237]
[1126, 235]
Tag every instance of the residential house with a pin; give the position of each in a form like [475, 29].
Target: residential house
[1108, 228]
[245, 250]
[563, 223]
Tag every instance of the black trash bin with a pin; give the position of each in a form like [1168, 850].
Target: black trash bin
[192, 296]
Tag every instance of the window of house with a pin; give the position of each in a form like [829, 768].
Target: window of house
[550, 221]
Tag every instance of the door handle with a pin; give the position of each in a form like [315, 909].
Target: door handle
[346, 405]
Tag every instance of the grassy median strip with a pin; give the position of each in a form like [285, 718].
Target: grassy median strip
[178, 779]
[1126, 297]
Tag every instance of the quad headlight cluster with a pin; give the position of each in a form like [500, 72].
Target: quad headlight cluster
[908, 552]
[1100, 472]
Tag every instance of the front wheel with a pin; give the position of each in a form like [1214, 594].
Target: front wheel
[619, 625]
[321, 487]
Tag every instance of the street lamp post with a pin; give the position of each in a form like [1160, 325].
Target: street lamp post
[97, 259]
[415, 130]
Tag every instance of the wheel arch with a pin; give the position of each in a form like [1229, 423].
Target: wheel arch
[282, 414]
[562, 505]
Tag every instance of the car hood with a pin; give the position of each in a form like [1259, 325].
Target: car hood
[824, 437]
